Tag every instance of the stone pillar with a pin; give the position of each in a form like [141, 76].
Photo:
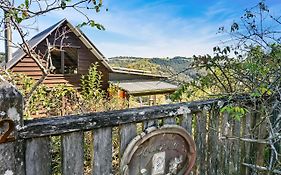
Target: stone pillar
[11, 112]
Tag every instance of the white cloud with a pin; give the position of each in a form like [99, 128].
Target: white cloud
[150, 31]
[158, 34]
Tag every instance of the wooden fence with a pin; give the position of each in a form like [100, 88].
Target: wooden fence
[220, 147]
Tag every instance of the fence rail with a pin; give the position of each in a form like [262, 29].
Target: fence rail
[94, 143]
[59, 125]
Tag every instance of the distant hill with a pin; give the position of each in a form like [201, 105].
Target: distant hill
[123, 61]
[126, 58]
[176, 67]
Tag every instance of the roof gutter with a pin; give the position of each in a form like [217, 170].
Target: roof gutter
[151, 92]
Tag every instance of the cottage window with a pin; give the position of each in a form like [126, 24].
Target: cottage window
[65, 61]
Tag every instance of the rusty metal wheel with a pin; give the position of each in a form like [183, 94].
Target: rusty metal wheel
[169, 149]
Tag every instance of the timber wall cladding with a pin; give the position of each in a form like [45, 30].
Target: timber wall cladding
[85, 58]
[99, 139]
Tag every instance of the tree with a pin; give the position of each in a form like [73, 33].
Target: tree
[251, 74]
[257, 27]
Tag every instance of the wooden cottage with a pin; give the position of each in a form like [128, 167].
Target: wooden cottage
[72, 54]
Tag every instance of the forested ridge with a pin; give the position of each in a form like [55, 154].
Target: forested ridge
[176, 67]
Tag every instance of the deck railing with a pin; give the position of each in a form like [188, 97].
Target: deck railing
[94, 143]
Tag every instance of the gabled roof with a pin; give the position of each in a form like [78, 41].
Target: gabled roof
[33, 42]
[85, 40]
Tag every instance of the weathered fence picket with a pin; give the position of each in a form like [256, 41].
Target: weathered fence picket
[225, 144]
[73, 153]
[186, 122]
[38, 156]
[127, 133]
[150, 123]
[200, 140]
[102, 164]
[236, 146]
[213, 142]
[245, 150]
[220, 149]
[169, 121]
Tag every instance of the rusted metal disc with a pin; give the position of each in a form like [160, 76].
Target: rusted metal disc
[168, 150]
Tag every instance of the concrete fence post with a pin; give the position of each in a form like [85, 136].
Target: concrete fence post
[11, 119]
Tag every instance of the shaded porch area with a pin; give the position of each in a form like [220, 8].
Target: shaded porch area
[145, 92]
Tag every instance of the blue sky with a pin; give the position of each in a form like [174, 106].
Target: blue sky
[158, 28]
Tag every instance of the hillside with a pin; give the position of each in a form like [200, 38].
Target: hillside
[123, 61]
[175, 67]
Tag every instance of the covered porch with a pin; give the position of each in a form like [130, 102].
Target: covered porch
[145, 92]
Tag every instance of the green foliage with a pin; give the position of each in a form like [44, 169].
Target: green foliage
[96, 99]
[236, 111]
[56, 155]
[46, 100]
[252, 70]
[256, 74]
[63, 100]
[114, 101]
[22, 81]
[144, 64]
[91, 23]
[53, 101]
[91, 84]
[2, 57]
